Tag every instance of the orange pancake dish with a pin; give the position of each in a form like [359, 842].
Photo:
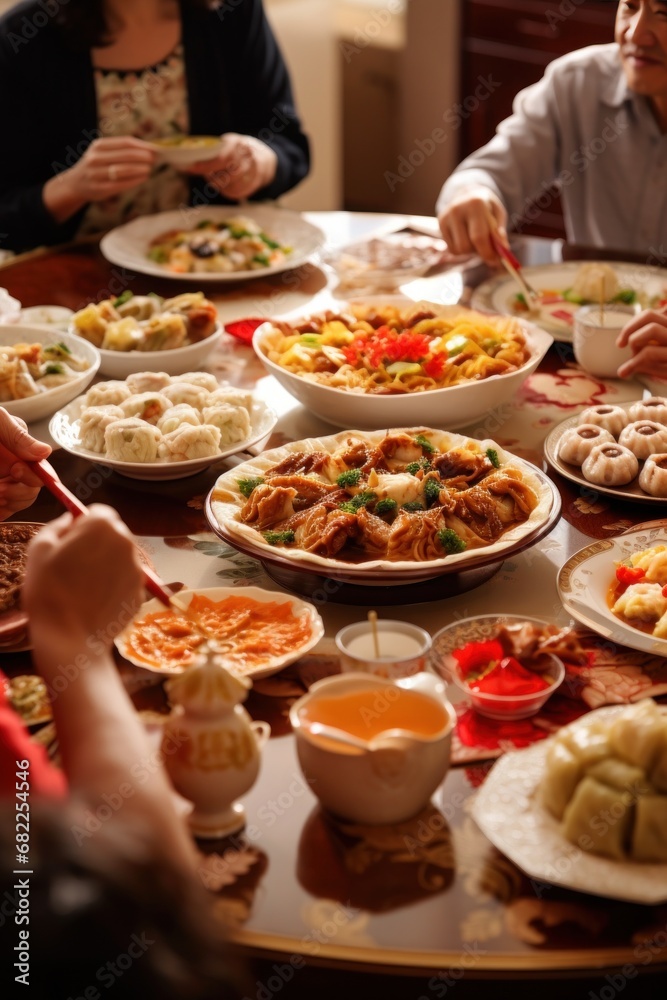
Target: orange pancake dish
[247, 632]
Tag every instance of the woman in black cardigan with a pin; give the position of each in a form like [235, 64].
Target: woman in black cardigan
[82, 81]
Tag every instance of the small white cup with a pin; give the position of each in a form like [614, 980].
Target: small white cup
[595, 333]
[403, 648]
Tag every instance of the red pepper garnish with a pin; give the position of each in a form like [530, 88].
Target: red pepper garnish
[475, 656]
[664, 591]
[243, 329]
[630, 574]
[435, 366]
[509, 677]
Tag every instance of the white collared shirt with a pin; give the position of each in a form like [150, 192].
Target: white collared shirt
[582, 127]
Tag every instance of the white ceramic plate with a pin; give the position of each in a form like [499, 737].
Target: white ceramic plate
[47, 402]
[507, 811]
[64, 429]
[264, 669]
[57, 317]
[631, 491]
[498, 294]
[176, 361]
[450, 408]
[128, 245]
[225, 502]
[584, 582]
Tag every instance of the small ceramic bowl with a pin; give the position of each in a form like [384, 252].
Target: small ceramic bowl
[594, 338]
[403, 648]
[386, 779]
[184, 150]
[173, 361]
[503, 708]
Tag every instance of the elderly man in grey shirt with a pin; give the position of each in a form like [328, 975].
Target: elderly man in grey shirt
[596, 125]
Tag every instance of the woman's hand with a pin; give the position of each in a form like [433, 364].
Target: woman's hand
[18, 485]
[243, 165]
[646, 335]
[83, 583]
[107, 168]
[469, 220]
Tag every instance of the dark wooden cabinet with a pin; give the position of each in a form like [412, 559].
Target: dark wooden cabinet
[512, 41]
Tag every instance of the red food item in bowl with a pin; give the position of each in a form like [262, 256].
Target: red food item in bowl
[243, 329]
[508, 677]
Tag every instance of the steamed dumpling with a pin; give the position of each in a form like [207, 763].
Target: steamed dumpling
[233, 422]
[612, 418]
[591, 279]
[132, 440]
[147, 406]
[186, 392]
[577, 443]
[610, 465]
[644, 438]
[147, 381]
[190, 442]
[232, 396]
[177, 416]
[653, 477]
[641, 601]
[652, 408]
[107, 394]
[203, 379]
[93, 423]
[124, 335]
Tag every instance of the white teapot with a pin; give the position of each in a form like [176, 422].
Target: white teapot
[211, 745]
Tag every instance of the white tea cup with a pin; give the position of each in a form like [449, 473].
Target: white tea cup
[595, 331]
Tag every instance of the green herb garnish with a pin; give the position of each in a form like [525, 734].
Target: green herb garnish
[278, 537]
[413, 505]
[158, 254]
[204, 224]
[414, 467]
[627, 296]
[349, 478]
[246, 486]
[451, 542]
[385, 506]
[356, 503]
[269, 242]
[431, 491]
[123, 298]
[492, 456]
[261, 258]
[425, 444]
[54, 369]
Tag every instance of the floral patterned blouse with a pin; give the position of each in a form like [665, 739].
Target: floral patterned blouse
[150, 103]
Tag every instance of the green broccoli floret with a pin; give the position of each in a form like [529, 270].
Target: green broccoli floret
[451, 542]
[413, 505]
[492, 456]
[626, 295]
[356, 503]
[248, 485]
[431, 491]
[385, 506]
[349, 478]
[414, 467]
[425, 444]
[278, 537]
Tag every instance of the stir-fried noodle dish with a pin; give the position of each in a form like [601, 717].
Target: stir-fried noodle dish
[390, 349]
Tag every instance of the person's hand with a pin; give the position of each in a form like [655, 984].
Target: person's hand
[468, 221]
[18, 485]
[83, 583]
[243, 166]
[107, 168]
[646, 335]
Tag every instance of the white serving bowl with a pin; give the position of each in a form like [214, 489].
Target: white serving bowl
[56, 317]
[174, 361]
[448, 408]
[185, 154]
[270, 664]
[47, 402]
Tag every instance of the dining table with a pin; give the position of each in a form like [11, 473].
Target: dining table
[317, 905]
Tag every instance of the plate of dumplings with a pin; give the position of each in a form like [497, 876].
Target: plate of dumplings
[585, 809]
[154, 426]
[620, 450]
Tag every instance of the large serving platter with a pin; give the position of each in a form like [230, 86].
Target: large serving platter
[225, 501]
[64, 429]
[498, 294]
[450, 407]
[127, 245]
[585, 579]
[631, 491]
[507, 810]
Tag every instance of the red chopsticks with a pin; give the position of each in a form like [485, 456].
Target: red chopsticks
[154, 584]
